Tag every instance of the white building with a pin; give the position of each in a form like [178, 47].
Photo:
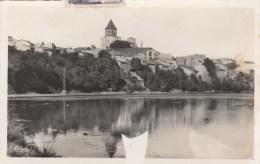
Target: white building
[167, 64]
[191, 60]
[246, 67]
[188, 70]
[202, 73]
[224, 69]
[132, 41]
[39, 48]
[24, 45]
[11, 41]
[45, 48]
[69, 50]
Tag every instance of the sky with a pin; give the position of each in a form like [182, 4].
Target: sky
[216, 32]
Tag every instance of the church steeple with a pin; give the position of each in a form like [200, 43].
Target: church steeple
[111, 29]
[110, 35]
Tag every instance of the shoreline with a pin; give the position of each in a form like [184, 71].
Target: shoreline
[97, 95]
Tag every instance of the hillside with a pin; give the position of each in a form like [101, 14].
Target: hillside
[40, 73]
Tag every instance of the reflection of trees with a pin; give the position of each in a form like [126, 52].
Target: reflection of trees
[212, 104]
[132, 116]
[113, 117]
[110, 147]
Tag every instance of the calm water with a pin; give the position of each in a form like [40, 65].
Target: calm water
[178, 128]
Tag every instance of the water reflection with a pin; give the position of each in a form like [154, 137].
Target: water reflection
[92, 128]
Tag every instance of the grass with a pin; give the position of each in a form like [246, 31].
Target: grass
[16, 140]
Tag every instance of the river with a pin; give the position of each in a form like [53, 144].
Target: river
[193, 127]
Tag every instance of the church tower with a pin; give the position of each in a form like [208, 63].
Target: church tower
[110, 35]
[111, 29]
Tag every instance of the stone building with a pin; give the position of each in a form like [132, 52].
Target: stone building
[141, 53]
[191, 60]
[188, 70]
[132, 41]
[110, 35]
[48, 48]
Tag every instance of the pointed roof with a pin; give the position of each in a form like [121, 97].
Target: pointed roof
[111, 26]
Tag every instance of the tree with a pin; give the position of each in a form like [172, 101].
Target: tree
[120, 44]
[189, 85]
[136, 64]
[40, 73]
[93, 46]
[211, 68]
[179, 78]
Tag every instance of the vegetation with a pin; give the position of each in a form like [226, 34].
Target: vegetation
[18, 147]
[164, 80]
[211, 68]
[167, 80]
[120, 44]
[39, 73]
[242, 82]
[133, 84]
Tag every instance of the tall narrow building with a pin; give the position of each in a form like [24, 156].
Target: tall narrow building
[110, 35]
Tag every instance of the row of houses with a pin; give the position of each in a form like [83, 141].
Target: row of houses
[190, 64]
[147, 55]
[150, 56]
[48, 48]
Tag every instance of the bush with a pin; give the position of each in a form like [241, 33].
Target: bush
[39, 73]
[15, 137]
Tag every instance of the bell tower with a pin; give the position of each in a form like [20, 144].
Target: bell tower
[111, 29]
[110, 35]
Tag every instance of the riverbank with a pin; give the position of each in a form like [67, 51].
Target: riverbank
[17, 146]
[129, 95]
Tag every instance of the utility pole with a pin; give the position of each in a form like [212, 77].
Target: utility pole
[64, 82]
[180, 77]
[64, 110]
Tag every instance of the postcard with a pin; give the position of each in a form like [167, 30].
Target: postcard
[77, 79]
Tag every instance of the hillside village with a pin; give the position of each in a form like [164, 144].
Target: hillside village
[124, 51]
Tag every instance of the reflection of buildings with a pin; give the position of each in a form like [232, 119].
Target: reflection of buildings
[108, 118]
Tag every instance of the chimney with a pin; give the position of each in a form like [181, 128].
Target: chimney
[141, 45]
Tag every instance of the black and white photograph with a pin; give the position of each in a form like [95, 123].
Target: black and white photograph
[80, 78]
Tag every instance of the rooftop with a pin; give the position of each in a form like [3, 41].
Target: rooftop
[188, 67]
[249, 62]
[111, 26]
[219, 69]
[134, 50]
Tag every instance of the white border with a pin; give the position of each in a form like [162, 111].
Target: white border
[136, 3]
